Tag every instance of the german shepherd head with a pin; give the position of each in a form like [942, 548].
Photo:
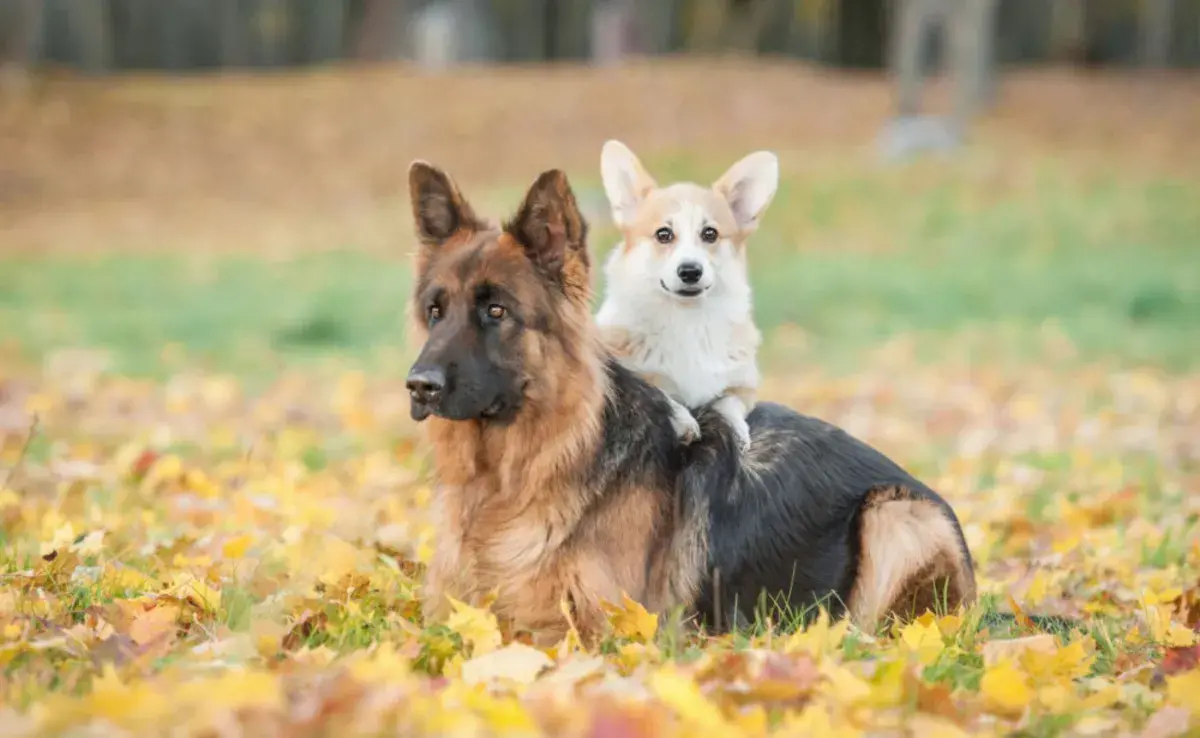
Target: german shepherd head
[497, 307]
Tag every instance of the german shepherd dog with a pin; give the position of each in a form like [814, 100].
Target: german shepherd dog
[561, 481]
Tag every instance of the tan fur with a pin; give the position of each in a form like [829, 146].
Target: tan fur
[510, 517]
[660, 204]
[910, 559]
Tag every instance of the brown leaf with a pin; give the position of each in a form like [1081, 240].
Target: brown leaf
[1175, 660]
[159, 623]
[309, 624]
[1167, 723]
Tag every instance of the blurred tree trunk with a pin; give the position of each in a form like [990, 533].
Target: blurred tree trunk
[231, 33]
[972, 56]
[20, 38]
[571, 22]
[1068, 30]
[712, 26]
[91, 35]
[614, 31]
[1155, 22]
[969, 29]
[861, 33]
[272, 21]
[913, 24]
[382, 32]
[326, 30]
[657, 22]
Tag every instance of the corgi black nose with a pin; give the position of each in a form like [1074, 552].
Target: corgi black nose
[690, 272]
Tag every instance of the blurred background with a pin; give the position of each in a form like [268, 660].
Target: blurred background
[221, 184]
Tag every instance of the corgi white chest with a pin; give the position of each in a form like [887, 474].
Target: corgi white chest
[692, 350]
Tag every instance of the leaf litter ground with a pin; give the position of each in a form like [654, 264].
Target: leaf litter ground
[192, 556]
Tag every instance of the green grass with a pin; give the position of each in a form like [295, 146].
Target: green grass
[853, 259]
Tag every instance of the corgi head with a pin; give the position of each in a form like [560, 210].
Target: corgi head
[685, 241]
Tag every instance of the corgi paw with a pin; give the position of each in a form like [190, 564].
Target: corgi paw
[741, 433]
[687, 428]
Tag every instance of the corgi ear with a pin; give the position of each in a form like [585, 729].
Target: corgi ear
[748, 186]
[626, 181]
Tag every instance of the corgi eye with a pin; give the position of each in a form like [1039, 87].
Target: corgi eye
[496, 312]
[664, 235]
[709, 234]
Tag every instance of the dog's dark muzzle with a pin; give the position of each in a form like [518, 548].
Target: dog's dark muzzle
[426, 387]
[432, 391]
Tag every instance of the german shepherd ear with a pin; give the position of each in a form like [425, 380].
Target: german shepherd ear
[748, 186]
[549, 225]
[626, 181]
[439, 209]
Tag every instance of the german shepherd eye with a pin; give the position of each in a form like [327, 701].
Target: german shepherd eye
[496, 312]
[709, 234]
[664, 235]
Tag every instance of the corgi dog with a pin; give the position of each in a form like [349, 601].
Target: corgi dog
[677, 307]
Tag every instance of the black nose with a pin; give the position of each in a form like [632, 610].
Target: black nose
[426, 385]
[690, 272]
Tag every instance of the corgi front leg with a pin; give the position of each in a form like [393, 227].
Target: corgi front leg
[687, 428]
[734, 405]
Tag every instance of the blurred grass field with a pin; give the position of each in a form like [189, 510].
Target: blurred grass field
[194, 215]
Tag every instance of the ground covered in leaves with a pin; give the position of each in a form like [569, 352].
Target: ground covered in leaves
[187, 555]
[214, 508]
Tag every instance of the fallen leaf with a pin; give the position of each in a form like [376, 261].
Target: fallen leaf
[631, 620]
[515, 662]
[154, 624]
[1006, 689]
[477, 627]
[1168, 722]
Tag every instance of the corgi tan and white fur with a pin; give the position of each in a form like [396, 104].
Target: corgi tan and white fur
[677, 307]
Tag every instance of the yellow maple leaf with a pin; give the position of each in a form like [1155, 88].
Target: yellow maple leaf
[1069, 662]
[683, 695]
[338, 558]
[932, 726]
[382, 665]
[124, 578]
[502, 714]
[631, 620]
[235, 548]
[815, 722]
[632, 655]
[1038, 587]
[63, 536]
[92, 543]
[234, 690]
[1183, 690]
[819, 637]
[924, 640]
[115, 701]
[477, 627]
[1006, 689]
[571, 642]
[843, 685]
[185, 586]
